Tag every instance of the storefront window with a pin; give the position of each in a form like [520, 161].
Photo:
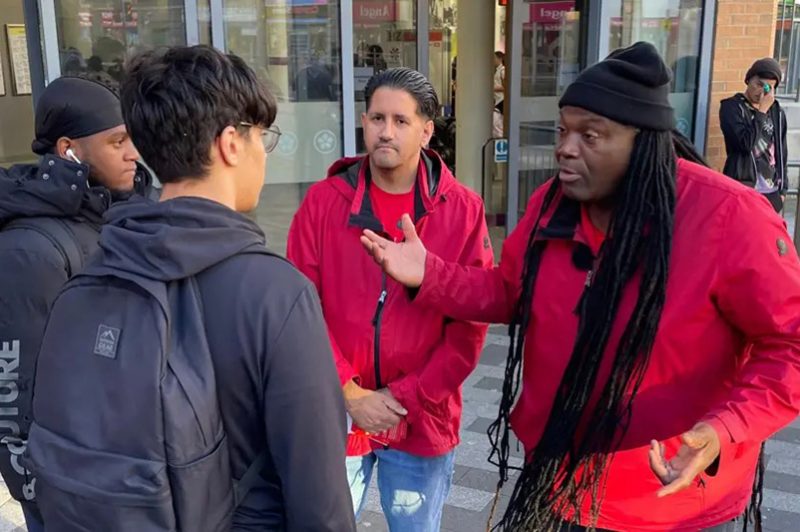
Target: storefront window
[787, 44]
[204, 21]
[551, 53]
[295, 48]
[96, 36]
[442, 51]
[384, 36]
[674, 27]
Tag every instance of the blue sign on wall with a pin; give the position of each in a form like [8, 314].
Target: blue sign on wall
[501, 150]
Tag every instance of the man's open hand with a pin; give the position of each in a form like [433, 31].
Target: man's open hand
[699, 450]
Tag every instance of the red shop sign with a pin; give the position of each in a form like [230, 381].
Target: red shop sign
[550, 12]
[365, 12]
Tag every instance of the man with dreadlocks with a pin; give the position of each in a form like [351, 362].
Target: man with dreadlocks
[658, 351]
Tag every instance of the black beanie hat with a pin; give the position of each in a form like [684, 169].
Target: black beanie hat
[74, 108]
[765, 66]
[630, 86]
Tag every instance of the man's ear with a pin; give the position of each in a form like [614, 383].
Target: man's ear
[427, 133]
[229, 145]
[62, 145]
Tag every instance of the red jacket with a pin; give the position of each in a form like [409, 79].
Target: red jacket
[727, 350]
[424, 357]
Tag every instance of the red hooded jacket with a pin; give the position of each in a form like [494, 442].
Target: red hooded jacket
[727, 349]
[422, 356]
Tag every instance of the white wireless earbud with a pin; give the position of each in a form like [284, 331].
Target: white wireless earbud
[71, 155]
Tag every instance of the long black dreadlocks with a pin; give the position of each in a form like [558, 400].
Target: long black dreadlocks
[564, 467]
[562, 470]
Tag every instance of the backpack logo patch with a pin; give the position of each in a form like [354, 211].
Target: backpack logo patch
[107, 340]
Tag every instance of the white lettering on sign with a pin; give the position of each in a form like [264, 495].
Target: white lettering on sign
[374, 12]
[552, 14]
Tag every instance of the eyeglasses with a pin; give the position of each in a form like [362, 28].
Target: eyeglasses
[269, 135]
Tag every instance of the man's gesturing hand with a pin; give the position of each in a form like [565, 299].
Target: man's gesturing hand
[403, 262]
[698, 451]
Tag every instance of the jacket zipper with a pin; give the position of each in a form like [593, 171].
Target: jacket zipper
[586, 286]
[376, 323]
[752, 157]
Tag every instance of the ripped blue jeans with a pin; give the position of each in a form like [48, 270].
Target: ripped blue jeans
[412, 488]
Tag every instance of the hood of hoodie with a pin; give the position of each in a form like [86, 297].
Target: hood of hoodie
[173, 239]
[59, 188]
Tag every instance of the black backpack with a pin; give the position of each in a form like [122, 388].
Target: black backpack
[19, 481]
[127, 432]
[58, 233]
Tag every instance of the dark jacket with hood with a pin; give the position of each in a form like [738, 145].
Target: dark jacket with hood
[742, 126]
[33, 270]
[276, 381]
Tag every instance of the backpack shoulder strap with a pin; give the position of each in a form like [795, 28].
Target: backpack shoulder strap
[248, 480]
[58, 233]
[243, 486]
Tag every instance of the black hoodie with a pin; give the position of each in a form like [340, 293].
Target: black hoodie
[33, 270]
[742, 126]
[276, 381]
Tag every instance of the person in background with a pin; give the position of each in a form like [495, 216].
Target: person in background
[499, 82]
[51, 213]
[754, 126]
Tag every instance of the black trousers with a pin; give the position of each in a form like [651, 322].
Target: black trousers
[775, 200]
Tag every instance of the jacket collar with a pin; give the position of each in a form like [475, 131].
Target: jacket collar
[562, 221]
[97, 199]
[776, 106]
[354, 175]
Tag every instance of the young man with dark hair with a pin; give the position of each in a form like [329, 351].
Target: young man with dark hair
[647, 332]
[401, 366]
[50, 218]
[204, 123]
[754, 126]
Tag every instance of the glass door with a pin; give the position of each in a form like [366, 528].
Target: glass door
[384, 36]
[546, 55]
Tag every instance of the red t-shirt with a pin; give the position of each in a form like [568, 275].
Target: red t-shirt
[389, 209]
[594, 236]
